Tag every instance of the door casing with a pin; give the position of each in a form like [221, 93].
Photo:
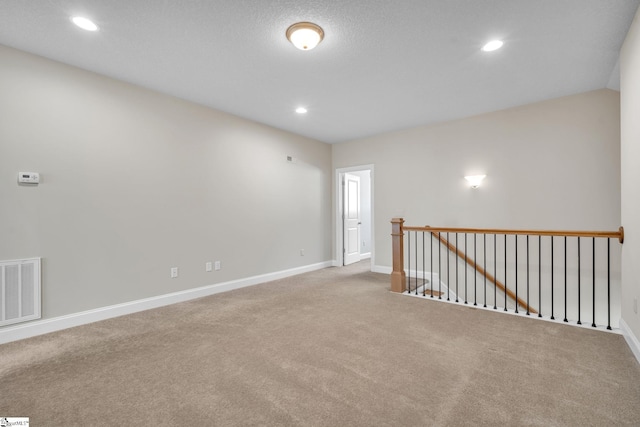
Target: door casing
[339, 247]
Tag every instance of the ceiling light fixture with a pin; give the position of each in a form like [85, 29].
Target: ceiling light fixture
[475, 180]
[84, 23]
[492, 45]
[305, 35]
[301, 110]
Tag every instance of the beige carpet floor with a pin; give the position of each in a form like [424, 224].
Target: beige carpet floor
[328, 348]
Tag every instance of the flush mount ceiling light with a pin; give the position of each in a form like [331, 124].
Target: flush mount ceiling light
[301, 110]
[492, 45]
[475, 180]
[305, 35]
[84, 23]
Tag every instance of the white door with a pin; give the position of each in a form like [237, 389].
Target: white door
[351, 219]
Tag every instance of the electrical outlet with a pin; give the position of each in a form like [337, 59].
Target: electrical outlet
[217, 265]
[208, 266]
[301, 252]
[174, 272]
[635, 305]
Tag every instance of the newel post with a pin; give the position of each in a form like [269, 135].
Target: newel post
[398, 277]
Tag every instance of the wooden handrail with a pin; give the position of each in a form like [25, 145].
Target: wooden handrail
[398, 278]
[483, 272]
[614, 234]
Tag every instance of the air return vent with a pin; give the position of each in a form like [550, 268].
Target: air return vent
[19, 291]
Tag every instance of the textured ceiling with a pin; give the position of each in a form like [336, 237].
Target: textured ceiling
[384, 65]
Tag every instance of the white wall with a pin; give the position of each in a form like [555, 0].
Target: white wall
[630, 155]
[549, 165]
[135, 182]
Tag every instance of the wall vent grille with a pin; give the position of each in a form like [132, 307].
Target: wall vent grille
[19, 291]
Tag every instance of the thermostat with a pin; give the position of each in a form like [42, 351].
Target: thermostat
[28, 177]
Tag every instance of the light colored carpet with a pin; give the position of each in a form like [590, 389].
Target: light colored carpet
[328, 348]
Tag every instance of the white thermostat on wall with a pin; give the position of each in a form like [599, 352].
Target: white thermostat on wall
[28, 177]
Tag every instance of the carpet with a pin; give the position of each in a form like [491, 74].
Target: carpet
[328, 348]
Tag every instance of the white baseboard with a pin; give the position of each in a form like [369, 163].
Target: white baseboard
[39, 327]
[631, 339]
[413, 273]
[381, 269]
[365, 256]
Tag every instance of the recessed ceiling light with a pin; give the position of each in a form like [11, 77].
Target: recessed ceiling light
[305, 35]
[84, 23]
[492, 45]
[301, 110]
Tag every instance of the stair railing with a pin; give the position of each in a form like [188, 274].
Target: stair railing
[551, 270]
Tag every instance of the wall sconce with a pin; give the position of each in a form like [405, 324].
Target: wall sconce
[475, 180]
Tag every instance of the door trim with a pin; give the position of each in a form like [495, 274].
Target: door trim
[339, 258]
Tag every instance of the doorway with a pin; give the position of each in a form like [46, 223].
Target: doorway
[354, 215]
